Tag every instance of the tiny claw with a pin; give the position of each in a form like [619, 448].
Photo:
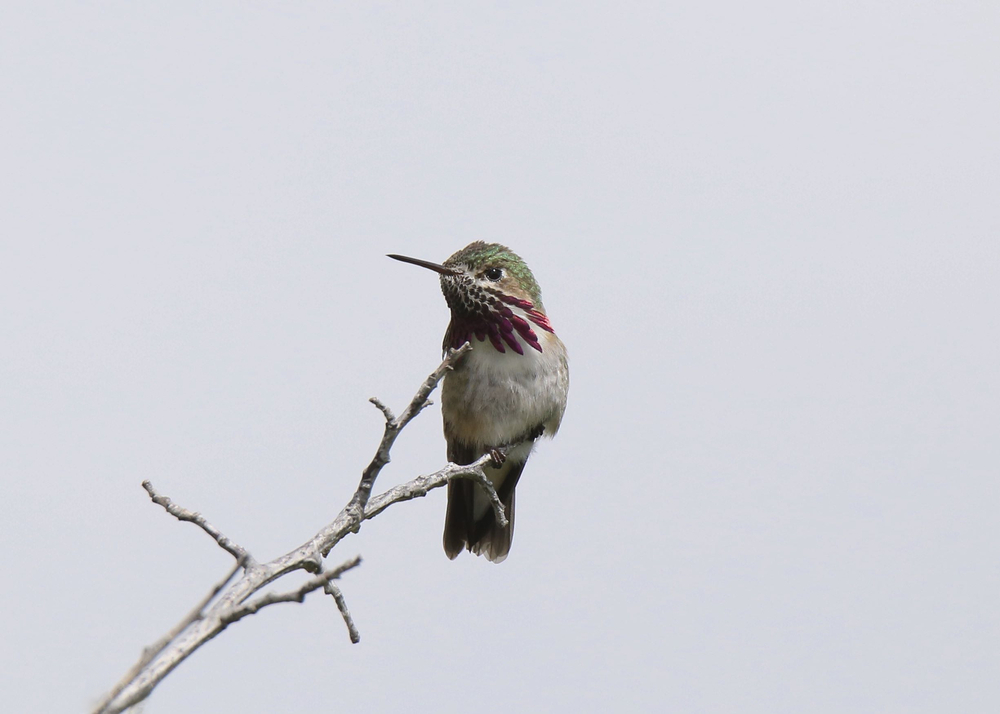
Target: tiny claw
[498, 458]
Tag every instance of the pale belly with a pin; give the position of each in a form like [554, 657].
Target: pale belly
[493, 399]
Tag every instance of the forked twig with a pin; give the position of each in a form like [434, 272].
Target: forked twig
[229, 602]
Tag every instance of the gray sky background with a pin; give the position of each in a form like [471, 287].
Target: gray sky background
[769, 234]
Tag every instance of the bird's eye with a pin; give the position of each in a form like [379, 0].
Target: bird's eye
[493, 274]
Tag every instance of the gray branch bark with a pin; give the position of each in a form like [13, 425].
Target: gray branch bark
[230, 601]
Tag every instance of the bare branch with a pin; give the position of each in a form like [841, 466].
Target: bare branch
[153, 650]
[183, 514]
[386, 411]
[298, 595]
[352, 630]
[230, 602]
[394, 426]
[422, 485]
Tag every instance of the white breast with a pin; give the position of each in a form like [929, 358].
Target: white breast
[493, 398]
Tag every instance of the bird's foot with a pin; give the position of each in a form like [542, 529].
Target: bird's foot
[498, 458]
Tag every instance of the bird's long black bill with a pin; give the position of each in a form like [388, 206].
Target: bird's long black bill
[437, 268]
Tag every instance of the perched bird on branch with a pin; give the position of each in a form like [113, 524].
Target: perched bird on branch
[506, 392]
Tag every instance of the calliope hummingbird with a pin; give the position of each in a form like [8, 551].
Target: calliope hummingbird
[506, 392]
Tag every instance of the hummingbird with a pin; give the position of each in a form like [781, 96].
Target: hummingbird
[502, 395]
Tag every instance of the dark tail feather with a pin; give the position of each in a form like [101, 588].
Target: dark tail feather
[457, 519]
[482, 537]
[489, 538]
